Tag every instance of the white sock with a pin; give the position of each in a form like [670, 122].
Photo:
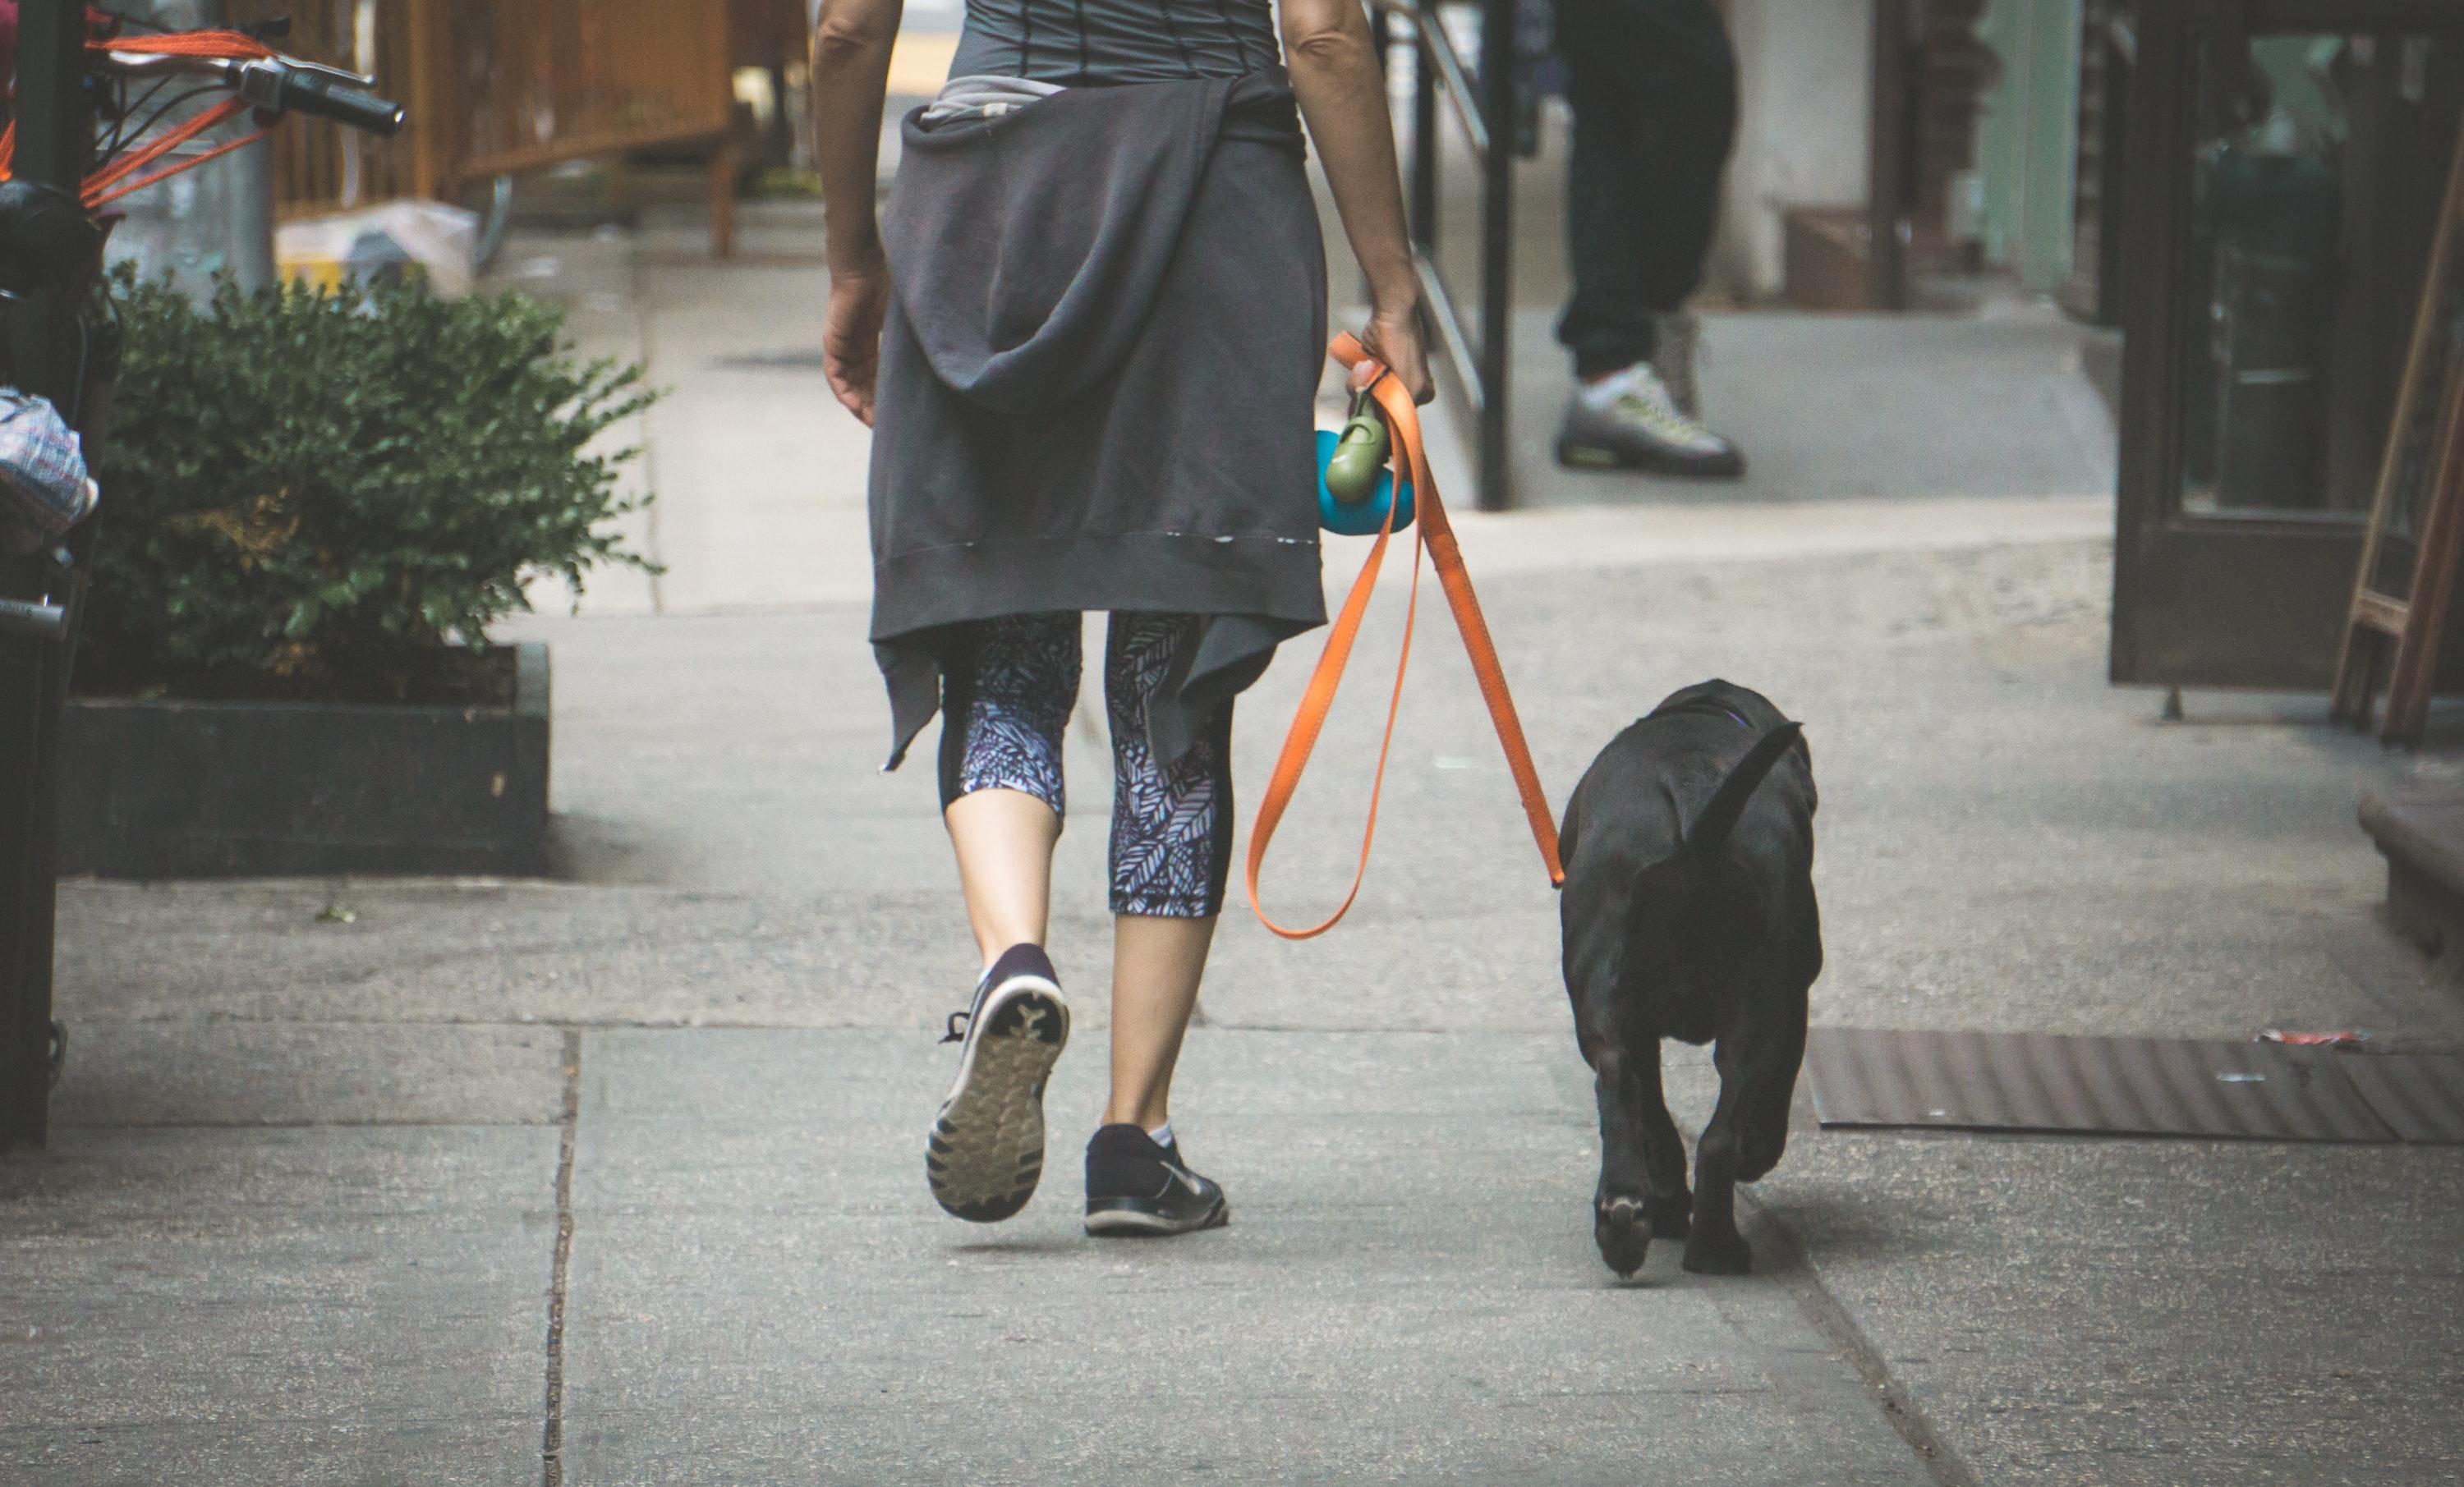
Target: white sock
[1161, 1135]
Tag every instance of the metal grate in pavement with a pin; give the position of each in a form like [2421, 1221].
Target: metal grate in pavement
[2134, 1086]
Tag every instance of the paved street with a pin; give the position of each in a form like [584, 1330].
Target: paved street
[617, 1178]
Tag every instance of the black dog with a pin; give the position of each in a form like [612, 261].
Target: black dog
[1689, 913]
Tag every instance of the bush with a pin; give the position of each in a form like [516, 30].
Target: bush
[316, 495]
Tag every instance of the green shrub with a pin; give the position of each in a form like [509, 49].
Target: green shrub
[316, 495]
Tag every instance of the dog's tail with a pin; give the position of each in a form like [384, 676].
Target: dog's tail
[1706, 832]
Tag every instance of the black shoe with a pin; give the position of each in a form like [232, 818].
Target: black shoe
[1137, 1187]
[986, 1150]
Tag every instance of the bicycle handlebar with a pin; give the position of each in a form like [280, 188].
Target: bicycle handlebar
[283, 87]
[276, 84]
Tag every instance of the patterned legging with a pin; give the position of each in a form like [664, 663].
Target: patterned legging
[1005, 702]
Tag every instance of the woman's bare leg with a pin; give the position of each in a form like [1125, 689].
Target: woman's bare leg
[1156, 964]
[985, 1153]
[1004, 840]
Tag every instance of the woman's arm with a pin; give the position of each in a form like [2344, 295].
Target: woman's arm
[850, 79]
[1333, 64]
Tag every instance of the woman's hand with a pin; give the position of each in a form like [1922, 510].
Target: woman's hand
[1394, 339]
[851, 43]
[851, 337]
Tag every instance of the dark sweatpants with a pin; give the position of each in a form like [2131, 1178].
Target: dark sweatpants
[1653, 84]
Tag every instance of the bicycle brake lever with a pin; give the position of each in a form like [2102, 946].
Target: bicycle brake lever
[337, 74]
[264, 80]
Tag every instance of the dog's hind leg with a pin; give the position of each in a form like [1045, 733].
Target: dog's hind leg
[1669, 1206]
[1715, 1247]
[1618, 1222]
[1762, 1114]
[1778, 1048]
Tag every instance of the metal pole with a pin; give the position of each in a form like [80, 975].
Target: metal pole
[1381, 40]
[1424, 131]
[54, 134]
[1496, 250]
[1893, 125]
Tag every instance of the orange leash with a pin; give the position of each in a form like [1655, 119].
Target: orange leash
[1432, 533]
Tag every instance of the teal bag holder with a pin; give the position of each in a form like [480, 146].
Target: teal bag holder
[1363, 518]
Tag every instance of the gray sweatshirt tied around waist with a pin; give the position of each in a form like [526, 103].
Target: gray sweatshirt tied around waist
[1098, 380]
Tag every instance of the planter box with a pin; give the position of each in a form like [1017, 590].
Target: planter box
[255, 789]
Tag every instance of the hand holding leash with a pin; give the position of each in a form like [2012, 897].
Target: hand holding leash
[1394, 343]
[1436, 534]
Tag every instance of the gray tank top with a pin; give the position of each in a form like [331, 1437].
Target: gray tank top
[1080, 42]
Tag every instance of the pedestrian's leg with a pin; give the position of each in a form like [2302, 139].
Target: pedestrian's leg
[1006, 696]
[1606, 324]
[1687, 121]
[1652, 87]
[1171, 852]
[1005, 708]
[1684, 119]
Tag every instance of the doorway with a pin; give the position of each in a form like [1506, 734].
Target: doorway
[2286, 165]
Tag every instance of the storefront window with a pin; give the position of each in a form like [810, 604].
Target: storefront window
[2319, 168]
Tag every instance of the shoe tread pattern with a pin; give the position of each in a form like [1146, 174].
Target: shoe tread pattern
[985, 1153]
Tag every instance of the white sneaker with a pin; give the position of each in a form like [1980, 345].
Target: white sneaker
[1677, 340]
[1631, 421]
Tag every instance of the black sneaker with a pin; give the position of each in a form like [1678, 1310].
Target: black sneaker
[1137, 1187]
[986, 1150]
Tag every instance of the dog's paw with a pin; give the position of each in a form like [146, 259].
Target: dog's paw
[1622, 1233]
[1672, 1218]
[1719, 1254]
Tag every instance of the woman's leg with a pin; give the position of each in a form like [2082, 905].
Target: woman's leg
[1156, 964]
[1172, 845]
[1006, 696]
[1005, 708]
[1003, 838]
[1171, 850]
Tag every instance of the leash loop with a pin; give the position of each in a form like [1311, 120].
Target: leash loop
[1433, 533]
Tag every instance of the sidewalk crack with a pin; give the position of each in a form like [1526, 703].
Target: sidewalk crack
[1794, 1270]
[552, 1434]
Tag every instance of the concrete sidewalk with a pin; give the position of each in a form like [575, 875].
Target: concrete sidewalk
[616, 1179]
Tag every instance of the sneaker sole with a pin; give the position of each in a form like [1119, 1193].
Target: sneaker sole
[1137, 1224]
[985, 1153]
[1599, 456]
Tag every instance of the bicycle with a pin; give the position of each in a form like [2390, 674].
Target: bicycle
[91, 124]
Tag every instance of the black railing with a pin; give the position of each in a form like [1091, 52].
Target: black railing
[1483, 107]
